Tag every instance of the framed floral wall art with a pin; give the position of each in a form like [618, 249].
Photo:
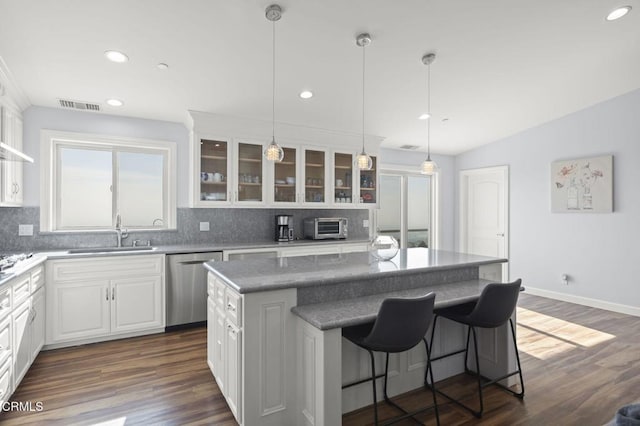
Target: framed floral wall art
[582, 185]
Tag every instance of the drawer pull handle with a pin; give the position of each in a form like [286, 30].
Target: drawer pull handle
[113, 293]
[230, 307]
[107, 292]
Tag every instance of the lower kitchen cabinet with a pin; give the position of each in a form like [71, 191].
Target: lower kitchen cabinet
[22, 341]
[22, 316]
[101, 298]
[250, 351]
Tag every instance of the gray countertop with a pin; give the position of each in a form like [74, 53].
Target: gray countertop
[295, 272]
[348, 312]
[21, 267]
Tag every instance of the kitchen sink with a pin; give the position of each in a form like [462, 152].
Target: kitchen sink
[109, 249]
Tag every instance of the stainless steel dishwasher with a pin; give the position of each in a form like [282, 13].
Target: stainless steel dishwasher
[187, 287]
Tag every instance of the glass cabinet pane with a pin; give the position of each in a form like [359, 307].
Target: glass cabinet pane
[343, 172]
[285, 178]
[314, 169]
[368, 184]
[213, 170]
[250, 177]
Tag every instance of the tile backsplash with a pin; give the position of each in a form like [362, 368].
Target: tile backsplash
[226, 226]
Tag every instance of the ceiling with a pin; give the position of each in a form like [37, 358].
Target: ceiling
[502, 66]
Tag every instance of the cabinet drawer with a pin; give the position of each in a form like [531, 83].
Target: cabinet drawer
[93, 268]
[5, 339]
[21, 288]
[5, 301]
[37, 278]
[5, 380]
[233, 307]
[220, 290]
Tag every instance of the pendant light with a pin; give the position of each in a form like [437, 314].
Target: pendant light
[363, 160]
[273, 151]
[429, 166]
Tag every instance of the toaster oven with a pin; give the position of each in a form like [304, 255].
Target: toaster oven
[321, 228]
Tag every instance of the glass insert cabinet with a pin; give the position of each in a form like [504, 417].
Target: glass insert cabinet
[230, 171]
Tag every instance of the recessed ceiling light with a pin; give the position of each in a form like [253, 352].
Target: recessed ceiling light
[115, 102]
[424, 116]
[306, 94]
[618, 13]
[162, 66]
[115, 56]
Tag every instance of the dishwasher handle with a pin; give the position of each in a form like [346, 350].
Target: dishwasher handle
[193, 262]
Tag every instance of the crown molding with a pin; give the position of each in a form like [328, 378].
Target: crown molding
[10, 89]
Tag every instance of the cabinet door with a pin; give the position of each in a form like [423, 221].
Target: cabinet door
[5, 381]
[368, 184]
[249, 177]
[37, 323]
[11, 170]
[215, 172]
[285, 178]
[211, 334]
[21, 341]
[315, 176]
[79, 310]
[233, 348]
[136, 304]
[344, 179]
[219, 352]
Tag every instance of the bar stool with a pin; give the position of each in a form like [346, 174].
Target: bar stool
[401, 324]
[493, 309]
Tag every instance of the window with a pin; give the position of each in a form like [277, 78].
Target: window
[92, 179]
[405, 208]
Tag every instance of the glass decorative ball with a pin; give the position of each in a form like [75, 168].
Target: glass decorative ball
[384, 247]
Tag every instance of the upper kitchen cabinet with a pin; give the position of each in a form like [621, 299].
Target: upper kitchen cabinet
[285, 178]
[317, 170]
[250, 164]
[11, 192]
[315, 176]
[369, 184]
[215, 165]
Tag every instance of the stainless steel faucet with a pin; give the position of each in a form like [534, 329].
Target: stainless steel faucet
[120, 233]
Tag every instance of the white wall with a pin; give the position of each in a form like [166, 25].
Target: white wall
[38, 118]
[446, 181]
[598, 251]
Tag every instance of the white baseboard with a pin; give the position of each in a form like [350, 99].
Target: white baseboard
[586, 301]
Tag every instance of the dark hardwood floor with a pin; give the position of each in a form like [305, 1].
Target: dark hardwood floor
[580, 365]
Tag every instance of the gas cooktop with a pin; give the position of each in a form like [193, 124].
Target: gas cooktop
[7, 261]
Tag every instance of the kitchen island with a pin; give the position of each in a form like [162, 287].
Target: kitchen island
[275, 341]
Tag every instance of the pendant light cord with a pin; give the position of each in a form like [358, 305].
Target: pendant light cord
[429, 112]
[363, 67]
[273, 94]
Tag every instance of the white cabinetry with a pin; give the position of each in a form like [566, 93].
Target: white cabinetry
[250, 351]
[101, 298]
[11, 193]
[228, 168]
[21, 327]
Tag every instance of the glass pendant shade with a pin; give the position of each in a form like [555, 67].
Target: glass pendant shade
[429, 167]
[274, 152]
[364, 161]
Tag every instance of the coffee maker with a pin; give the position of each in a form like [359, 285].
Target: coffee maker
[284, 228]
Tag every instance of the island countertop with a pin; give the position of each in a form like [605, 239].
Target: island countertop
[296, 272]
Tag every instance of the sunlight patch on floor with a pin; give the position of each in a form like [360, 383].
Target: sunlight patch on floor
[543, 336]
[120, 421]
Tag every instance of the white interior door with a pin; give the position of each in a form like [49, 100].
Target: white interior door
[484, 213]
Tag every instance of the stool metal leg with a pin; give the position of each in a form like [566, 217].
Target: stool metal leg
[373, 380]
[433, 383]
[478, 414]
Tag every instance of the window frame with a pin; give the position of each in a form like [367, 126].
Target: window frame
[51, 141]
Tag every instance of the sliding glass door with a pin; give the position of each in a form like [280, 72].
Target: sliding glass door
[405, 208]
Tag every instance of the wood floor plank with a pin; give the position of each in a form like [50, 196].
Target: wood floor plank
[580, 365]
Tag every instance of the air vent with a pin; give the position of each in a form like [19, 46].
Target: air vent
[410, 147]
[79, 105]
